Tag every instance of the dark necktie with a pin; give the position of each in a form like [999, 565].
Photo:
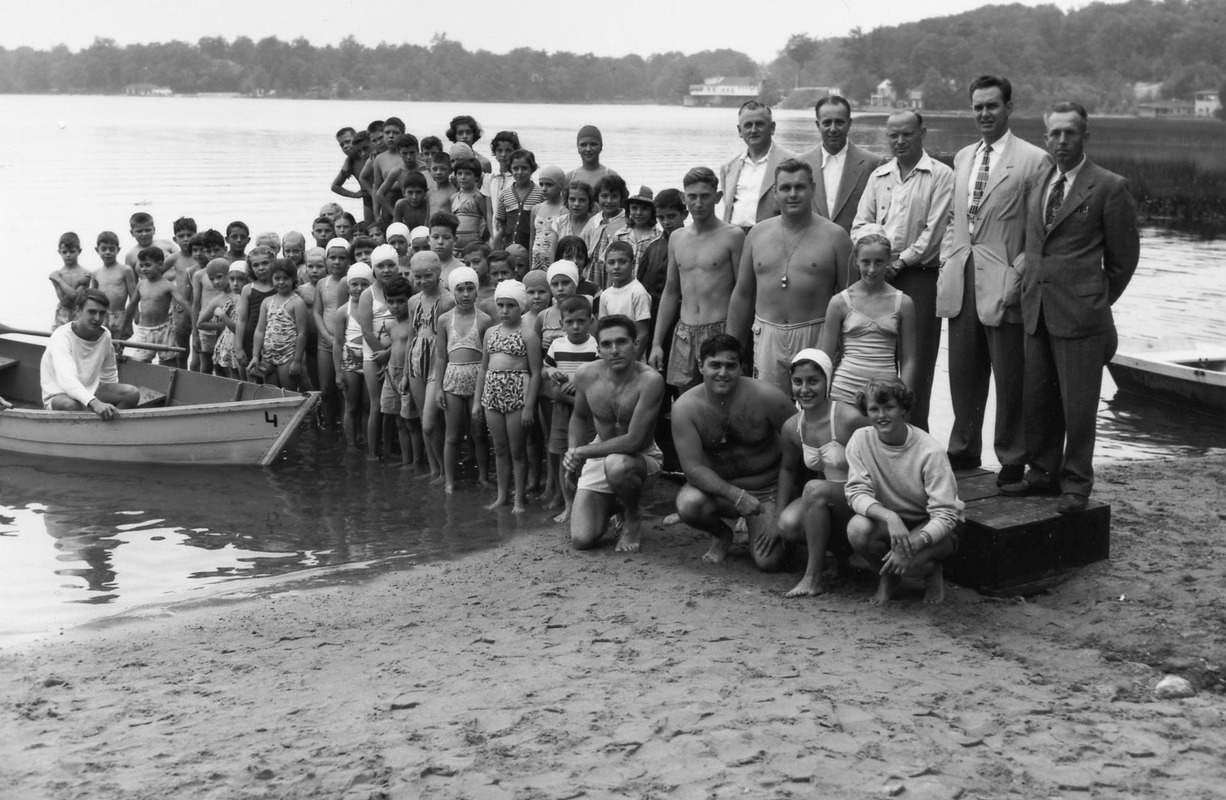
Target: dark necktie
[1053, 202]
[981, 183]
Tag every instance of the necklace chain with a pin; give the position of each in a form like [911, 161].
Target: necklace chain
[787, 264]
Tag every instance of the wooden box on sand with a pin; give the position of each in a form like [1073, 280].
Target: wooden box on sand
[1020, 545]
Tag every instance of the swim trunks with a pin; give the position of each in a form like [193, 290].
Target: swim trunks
[114, 323]
[683, 361]
[774, 345]
[389, 397]
[159, 334]
[594, 479]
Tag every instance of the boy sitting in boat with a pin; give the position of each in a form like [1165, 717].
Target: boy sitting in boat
[78, 370]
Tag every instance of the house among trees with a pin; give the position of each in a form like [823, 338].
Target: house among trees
[1161, 109]
[147, 90]
[1207, 103]
[886, 96]
[723, 90]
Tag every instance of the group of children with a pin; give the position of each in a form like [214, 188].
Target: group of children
[460, 306]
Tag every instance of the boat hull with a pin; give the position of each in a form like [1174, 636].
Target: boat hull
[1193, 379]
[205, 419]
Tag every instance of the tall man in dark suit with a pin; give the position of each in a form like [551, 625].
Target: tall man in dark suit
[841, 168]
[1082, 247]
[748, 179]
[979, 288]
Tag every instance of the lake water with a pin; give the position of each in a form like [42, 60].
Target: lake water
[80, 542]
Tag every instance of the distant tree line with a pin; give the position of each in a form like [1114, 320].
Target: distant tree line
[1095, 54]
[443, 71]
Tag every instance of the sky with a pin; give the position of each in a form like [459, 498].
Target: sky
[611, 29]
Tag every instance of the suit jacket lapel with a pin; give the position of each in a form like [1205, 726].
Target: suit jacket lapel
[1003, 169]
[819, 185]
[1073, 200]
[768, 178]
[853, 163]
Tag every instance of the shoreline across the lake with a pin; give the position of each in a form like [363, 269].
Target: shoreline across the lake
[532, 670]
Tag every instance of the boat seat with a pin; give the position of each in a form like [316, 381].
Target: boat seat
[7, 363]
[151, 398]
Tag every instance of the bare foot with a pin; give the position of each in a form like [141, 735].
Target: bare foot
[519, 508]
[934, 585]
[631, 540]
[372, 457]
[552, 501]
[720, 545]
[809, 586]
[439, 480]
[484, 483]
[564, 517]
[499, 502]
[671, 519]
[449, 488]
[885, 590]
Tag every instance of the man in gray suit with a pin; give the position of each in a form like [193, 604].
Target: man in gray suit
[979, 288]
[841, 168]
[748, 180]
[1082, 247]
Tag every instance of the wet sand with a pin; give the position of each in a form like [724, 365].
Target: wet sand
[531, 671]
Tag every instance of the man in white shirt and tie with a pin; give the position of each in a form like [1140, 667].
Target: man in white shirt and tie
[842, 168]
[749, 178]
[979, 289]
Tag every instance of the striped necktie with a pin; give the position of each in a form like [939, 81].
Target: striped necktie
[1054, 202]
[981, 183]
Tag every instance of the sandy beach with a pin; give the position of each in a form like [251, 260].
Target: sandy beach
[532, 671]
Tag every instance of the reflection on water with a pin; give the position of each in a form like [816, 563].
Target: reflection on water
[78, 541]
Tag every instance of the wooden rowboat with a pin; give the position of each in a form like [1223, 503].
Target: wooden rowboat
[1193, 378]
[184, 417]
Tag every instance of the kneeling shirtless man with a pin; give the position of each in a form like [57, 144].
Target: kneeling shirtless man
[726, 431]
[622, 397]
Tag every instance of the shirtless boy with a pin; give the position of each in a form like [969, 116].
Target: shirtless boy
[143, 230]
[397, 292]
[150, 307]
[726, 432]
[790, 268]
[180, 268]
[391, 190]
[212, 247]
[323, 230]
[384, 163]
[238, 236]
[702, 265]
[69, 280]
[621, 396]
[412, 210]
[116, 281]
[443, 227]
[355, 159]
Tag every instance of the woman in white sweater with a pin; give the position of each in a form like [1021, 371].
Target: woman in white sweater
[903, 492]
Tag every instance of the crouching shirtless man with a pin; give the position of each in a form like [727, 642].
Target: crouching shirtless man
[621, 397]
[726, 431]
